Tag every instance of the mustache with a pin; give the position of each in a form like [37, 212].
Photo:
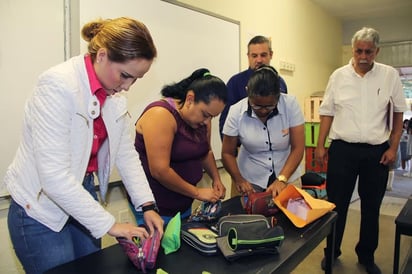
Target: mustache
[363, 61]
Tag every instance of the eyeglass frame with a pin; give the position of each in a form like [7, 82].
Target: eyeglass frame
[258, 107]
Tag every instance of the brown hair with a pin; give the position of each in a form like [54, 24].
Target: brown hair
[124, 38]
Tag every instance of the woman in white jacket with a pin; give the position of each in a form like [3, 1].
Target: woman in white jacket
[76, 126]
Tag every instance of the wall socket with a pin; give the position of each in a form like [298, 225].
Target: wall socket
[286, 66]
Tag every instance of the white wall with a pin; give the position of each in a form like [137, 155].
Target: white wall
[22, 58]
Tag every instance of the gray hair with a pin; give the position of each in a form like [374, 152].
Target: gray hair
[366, 34]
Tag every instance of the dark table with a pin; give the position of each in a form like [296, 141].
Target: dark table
[298, 243]
[403, 227]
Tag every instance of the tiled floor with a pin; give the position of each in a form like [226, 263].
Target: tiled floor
[392, 204]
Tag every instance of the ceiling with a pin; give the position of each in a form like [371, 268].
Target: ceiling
[352, 10]
[349, 10]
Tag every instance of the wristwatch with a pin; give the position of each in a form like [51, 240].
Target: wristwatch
[283, 179]
[150, 207]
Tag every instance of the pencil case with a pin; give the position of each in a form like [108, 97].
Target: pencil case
[247, 221]
[206, 212]
[260, 203]
[247, 234]
[143, 254]
[200, 237]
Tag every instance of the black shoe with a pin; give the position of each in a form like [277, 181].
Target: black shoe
[371, 268]
[323, 263]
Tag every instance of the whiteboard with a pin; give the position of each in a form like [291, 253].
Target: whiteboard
[32, 40]
[186, 39]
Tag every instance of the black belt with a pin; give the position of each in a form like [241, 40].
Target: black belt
[360, 144]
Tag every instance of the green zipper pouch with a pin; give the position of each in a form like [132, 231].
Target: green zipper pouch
[270, 238]
[248, 234]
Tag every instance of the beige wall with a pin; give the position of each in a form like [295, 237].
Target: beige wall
[346, 54]
[302, 34]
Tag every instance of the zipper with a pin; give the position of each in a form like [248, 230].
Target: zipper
[84, 117]
[251, 219]
[141, 259]
[263, 241]
[39, 194]
[126, 113]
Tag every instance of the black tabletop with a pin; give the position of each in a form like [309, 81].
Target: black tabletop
[298, 243]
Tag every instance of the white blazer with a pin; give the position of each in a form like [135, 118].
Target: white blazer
[46, 175]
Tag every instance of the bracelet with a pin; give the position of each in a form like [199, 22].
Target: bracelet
[283, 179]
[150, 207]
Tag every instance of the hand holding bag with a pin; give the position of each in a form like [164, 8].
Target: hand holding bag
[143, 254]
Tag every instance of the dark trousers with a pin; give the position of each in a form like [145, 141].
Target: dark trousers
[346, 162]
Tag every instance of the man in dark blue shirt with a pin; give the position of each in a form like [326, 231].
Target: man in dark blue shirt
[259, 53]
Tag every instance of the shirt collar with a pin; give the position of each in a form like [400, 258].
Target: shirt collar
[95, 84]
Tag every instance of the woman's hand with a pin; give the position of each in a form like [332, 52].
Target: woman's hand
[244, 187]
[219, 188]
[276, 188]
[208, 195]
[153, 221]
[128, 231]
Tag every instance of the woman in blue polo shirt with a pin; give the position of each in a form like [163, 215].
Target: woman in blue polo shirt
[270, 128]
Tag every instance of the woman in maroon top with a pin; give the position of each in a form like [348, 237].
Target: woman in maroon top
[173, 141]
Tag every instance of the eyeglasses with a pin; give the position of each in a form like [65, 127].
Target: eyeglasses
[257, 107]
[366, 51]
